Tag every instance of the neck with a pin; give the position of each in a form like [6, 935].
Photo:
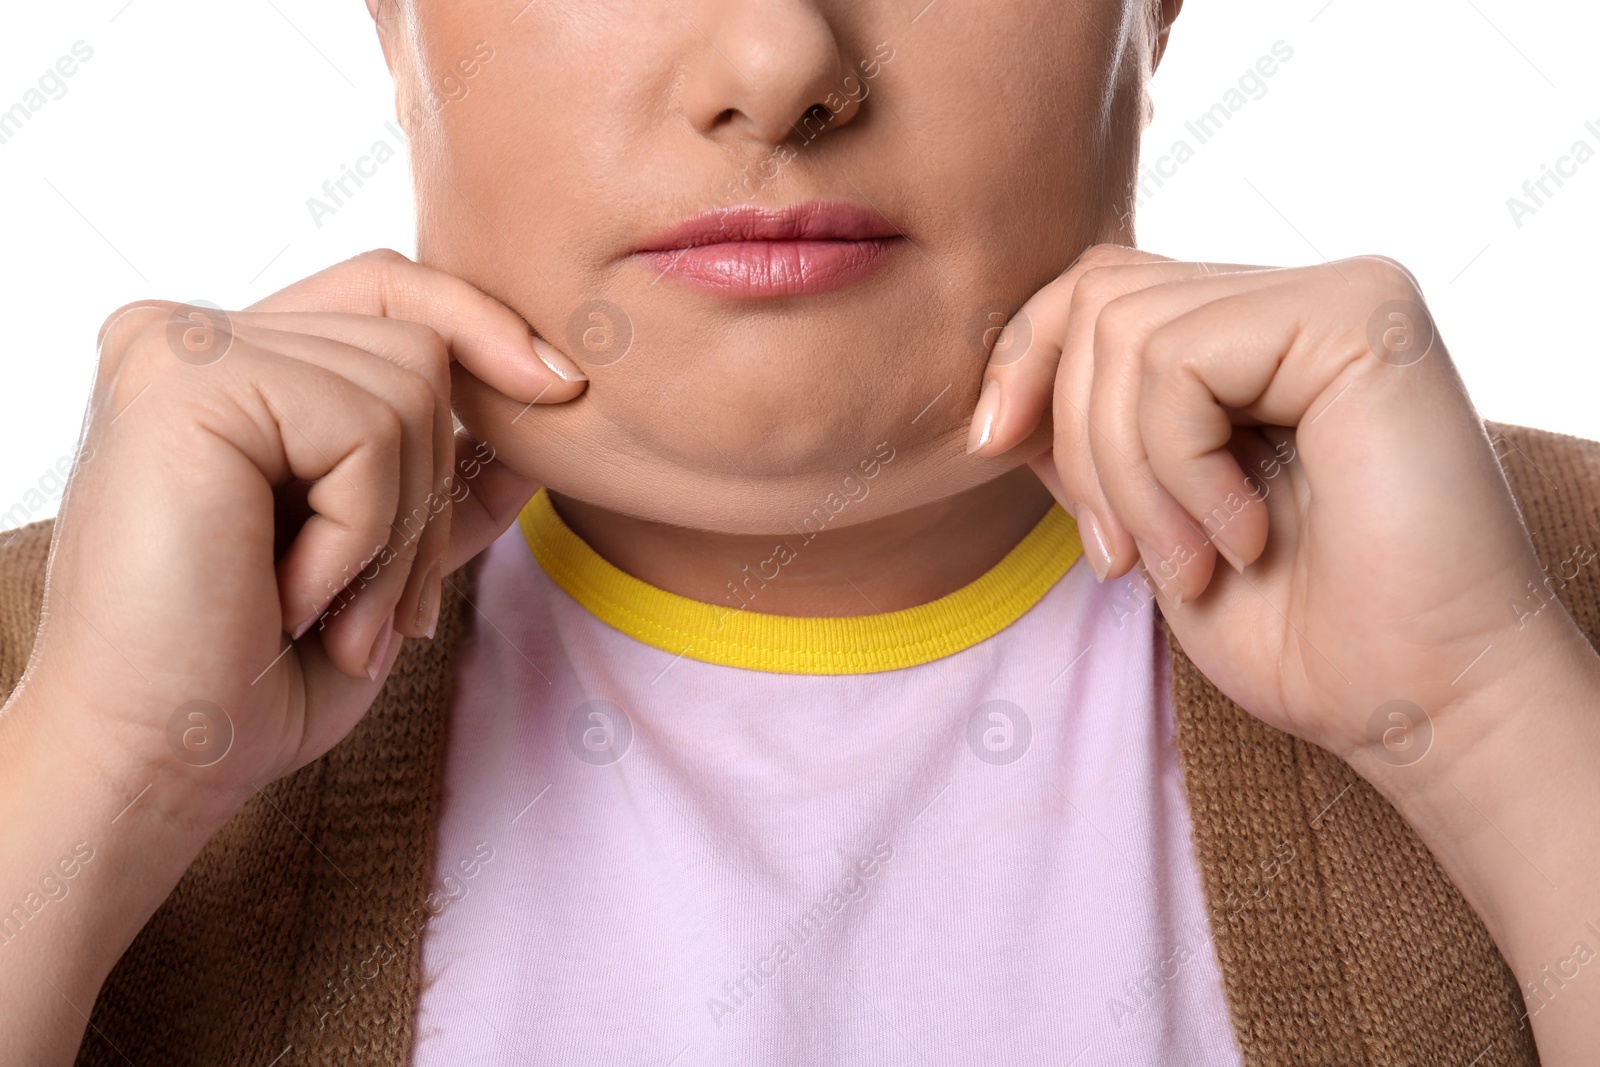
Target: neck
[888, 564]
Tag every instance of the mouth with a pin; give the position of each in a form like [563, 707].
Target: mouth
[749, 251]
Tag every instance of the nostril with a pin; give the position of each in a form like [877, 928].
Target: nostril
[815, 121]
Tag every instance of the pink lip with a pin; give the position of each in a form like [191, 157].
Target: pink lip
[753, 252]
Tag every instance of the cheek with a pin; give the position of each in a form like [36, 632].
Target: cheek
[581, 450]
[574, 448]
[536, 184]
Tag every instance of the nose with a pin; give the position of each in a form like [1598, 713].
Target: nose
[770, 70]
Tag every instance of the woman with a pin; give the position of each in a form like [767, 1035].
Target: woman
[782, 725]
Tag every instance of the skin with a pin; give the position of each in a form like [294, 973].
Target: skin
[698, 430]
[1138, 391]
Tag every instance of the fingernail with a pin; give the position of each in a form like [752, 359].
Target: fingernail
[1154, 564]
[1228, 554]
[428, 605]
[380, 648]
[984, 416]
[300, 631]
[559, 365]
[1094, 545]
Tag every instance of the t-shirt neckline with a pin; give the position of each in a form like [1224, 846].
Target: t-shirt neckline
[789, 644]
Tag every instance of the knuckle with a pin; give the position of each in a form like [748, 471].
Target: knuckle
[1121, 324]
[1102, 255]
[129, 322]
[134, 356]
[1385, 274]
[382, 267]
[416, 393]
[430, 345]
[385, 427]
[1099, 287]
[383, 257]
[1119, 316]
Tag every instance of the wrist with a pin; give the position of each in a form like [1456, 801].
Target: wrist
[117, 754]
[140, 819]
[1507, 797]
[92, 847]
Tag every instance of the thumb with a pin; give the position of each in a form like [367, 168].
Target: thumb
[490, 340]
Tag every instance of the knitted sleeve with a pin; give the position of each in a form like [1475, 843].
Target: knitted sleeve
[24, 551]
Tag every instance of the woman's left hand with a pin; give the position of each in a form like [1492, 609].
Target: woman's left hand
[1384, 599]
[1380, 594]
[1196, 407]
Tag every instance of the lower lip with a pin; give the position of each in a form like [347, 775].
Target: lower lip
[773, 268]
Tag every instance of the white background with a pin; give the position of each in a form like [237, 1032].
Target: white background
[179, 160]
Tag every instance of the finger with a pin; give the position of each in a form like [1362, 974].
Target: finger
[488, 338]
[1080, 502]
[414, 381]
[1177, 367]
[333, 711]
[320, 427]
[1143, 510]
[1200, 375]
[415, 346]
[424, 524]
[1111, 549]
[486, 498]
[1024, 362]
[1067, 469]
[1204, 374]
[1018, 376]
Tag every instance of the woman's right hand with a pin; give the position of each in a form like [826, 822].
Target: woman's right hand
[271, 499]
[265, 502]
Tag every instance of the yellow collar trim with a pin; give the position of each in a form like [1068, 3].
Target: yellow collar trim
[789, 644]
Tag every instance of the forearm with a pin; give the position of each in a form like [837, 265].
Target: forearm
[1514, 820]
[87, 854]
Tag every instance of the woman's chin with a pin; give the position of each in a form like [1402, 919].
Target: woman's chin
[721, 476]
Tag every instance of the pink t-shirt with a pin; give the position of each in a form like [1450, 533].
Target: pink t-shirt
[646, 858]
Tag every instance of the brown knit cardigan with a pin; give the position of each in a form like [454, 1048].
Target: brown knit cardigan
[293, 938]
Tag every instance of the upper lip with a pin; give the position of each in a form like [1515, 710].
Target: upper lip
[814, 220]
